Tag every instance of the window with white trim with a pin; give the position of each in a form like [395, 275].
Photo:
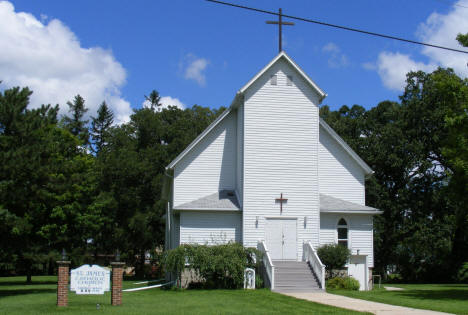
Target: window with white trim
[342, 231]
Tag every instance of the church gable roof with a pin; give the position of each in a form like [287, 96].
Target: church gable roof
[284, 56]
[239, 98]
[346, 147]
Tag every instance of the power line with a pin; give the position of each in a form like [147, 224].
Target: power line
[338, 26]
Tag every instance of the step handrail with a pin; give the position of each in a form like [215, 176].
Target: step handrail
[268, 263]
[310, 255]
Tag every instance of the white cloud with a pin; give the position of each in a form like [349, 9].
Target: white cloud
[336, 58]
[167, 101]
[49, 59]
[393, 67]
[438, 29]
[194, 68]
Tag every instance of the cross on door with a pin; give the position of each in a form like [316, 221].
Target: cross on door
[281, 200]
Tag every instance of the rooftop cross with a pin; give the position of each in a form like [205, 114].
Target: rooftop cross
[280, 24]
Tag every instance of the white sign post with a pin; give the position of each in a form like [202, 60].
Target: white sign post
[90, 280]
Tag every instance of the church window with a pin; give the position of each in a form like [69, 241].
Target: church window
[273, 79]
[289, 80]
[342, 230]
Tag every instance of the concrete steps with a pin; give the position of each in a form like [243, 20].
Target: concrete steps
[294, 276]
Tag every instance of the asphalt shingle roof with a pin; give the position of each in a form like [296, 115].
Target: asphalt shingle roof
[332, 204]
[222, 200]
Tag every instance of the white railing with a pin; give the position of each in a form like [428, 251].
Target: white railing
[267, 263]
[310, 255]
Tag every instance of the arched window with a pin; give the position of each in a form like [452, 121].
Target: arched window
[342, 230]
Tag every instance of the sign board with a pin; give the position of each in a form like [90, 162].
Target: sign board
[90, 280]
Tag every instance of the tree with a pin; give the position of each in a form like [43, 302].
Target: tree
[100, 127]
[154, 100]
[333, 256]
[463, 39]
[46, 184]
[76, 123]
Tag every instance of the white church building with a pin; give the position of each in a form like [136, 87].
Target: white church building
[269, 173]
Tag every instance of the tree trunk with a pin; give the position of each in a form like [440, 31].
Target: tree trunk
[28, 275]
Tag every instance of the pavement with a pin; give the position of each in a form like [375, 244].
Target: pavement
[357, 304]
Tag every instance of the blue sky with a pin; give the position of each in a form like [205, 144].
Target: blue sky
[196, 52]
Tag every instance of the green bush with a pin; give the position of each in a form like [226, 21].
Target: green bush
[333, 256]
[462, 275]
[343, 283]
[222, 266]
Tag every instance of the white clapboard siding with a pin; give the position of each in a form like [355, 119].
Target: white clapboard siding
[360, 232]
[210, 227]
[240, 153]
[280, 154]
[210, 166]
[339, 175]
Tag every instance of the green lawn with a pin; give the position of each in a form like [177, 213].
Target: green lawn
[40, 297]
[451, 298]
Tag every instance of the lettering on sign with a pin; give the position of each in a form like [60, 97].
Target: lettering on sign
[90, 280]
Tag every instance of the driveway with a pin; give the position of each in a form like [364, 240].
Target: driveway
[357, 304]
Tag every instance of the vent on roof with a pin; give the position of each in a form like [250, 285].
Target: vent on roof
[289, 80]
[273, 79]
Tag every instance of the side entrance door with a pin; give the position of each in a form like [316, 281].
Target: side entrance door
[281, 238]
[357, 267]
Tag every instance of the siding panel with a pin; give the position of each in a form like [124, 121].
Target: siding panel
[210, 166]
[280, 155]
[339, 175]
[360, 233]
[210, 227]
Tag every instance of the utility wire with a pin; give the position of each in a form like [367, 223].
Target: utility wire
[338, 26]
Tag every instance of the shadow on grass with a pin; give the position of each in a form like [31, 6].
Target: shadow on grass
[461, 295]
[5, 293]
[12, 283]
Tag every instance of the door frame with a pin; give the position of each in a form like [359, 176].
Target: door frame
[283, 218]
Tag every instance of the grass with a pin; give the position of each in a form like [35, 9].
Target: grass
[16, 297]
[451, 298]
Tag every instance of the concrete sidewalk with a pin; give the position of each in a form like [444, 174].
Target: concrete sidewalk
[357, 304]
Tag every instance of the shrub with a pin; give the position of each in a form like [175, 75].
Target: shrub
[333, 256]
[222, 266]
[343, 283]
[462, 275]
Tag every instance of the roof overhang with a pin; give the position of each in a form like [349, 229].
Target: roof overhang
[330, 204]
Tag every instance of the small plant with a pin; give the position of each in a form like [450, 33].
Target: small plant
[333, 256]
[343, 283]
[462, 275]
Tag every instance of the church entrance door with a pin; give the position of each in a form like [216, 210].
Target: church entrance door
[281, 238]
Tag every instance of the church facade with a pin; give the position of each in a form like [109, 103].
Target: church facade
[269, 170]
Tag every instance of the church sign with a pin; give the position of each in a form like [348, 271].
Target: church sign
[90, 280]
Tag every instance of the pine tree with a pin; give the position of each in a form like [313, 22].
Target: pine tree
[154, 99]
[100, 127]
[76, 124]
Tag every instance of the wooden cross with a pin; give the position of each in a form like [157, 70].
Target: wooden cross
[281, 200]
[280, 24]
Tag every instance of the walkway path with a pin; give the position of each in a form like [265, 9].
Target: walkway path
[357, 304]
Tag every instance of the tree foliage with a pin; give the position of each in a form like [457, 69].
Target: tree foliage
[333, 256]
[417, 149]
